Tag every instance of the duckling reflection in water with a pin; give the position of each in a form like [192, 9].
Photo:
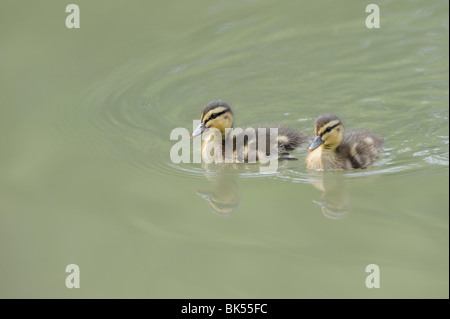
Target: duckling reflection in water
[334, 202]
[333, 149]
[218, 116]
[225, 196]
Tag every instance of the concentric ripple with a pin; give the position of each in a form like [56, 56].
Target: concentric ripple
[128, 114]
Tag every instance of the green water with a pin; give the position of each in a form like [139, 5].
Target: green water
[86, 177]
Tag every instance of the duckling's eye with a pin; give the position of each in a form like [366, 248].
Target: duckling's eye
[328, 130]
[213, 116]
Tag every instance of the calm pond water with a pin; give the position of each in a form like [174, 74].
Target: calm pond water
[86, 177]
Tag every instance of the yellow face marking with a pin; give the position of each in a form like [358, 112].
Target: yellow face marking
[221, 123]
[206, 116]
[329, 124]
[332, 139]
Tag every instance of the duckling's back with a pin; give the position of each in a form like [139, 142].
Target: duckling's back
[359, 149]
[288, 139]
[256, 145]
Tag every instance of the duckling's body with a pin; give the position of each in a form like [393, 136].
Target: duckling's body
[334, 149]
[242, 146]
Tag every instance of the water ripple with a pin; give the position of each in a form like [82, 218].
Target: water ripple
[128, 114]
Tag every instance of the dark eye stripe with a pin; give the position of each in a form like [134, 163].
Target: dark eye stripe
[329, 129]
[216, 115]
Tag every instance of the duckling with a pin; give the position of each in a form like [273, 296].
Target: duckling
[334, 149]
[218, 116]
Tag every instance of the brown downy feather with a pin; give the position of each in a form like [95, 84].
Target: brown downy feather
[358, 149]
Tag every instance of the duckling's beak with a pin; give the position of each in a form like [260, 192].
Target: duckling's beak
[199, 130]
[315, 144]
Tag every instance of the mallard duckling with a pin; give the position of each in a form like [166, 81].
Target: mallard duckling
[334, 149]
[246, 144]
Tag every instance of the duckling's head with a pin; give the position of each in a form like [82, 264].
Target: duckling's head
[216, 114]
[328, 131]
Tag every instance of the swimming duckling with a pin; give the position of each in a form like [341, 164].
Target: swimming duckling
[334, 149]
[243, 146]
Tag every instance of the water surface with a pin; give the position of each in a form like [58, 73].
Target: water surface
[86, 177]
